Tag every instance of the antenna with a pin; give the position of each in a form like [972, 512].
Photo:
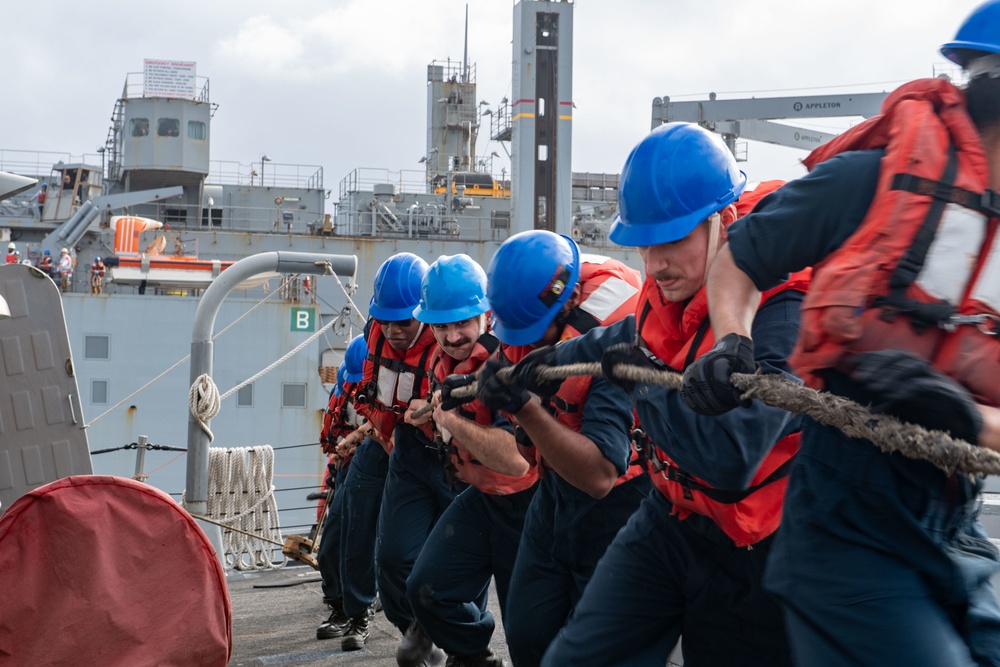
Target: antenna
[465, 55]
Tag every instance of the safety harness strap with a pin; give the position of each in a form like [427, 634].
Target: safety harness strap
[924, 315]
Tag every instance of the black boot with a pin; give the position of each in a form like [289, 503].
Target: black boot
[486, 659]
[336, 625]
[356, 634]
[417, 650]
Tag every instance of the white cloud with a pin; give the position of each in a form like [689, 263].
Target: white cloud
[341, 83]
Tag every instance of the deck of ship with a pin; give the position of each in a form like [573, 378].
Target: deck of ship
[276, 613]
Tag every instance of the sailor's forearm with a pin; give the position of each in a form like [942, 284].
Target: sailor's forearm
[732, 297]
[574, 456]
[492, 446]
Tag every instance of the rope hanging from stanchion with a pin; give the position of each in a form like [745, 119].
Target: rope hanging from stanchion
[241, 500]
[204, 402]
[889, 434]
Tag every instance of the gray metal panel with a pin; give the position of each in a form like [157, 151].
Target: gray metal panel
[525, 110]
[39, 401]
[763, 108]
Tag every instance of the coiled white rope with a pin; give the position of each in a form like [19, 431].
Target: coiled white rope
[241, 496]
[204, 402]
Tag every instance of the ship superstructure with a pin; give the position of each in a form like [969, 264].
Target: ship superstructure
[166, 219]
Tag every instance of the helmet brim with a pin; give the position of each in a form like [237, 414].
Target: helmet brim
[389, 314]
[428, 316]
[953, 50]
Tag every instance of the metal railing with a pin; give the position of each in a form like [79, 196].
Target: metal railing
[275, 174]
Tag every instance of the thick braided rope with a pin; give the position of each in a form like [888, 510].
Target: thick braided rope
[204, 402]
[889, 434]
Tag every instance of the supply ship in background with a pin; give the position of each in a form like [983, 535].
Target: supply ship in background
[167, 219]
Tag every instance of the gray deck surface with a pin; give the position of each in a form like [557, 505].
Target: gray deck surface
[277, 626]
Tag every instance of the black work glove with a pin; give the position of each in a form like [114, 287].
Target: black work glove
[496, 395]
[625, 353]
[907, 387]
[706, 387]
[526, 372]
[450, 384]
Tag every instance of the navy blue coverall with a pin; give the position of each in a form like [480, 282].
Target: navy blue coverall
[328, 557]
[475, 539]
[417, 492]
[566, 532]
[662, 578]
[359, 518]
[880, 559]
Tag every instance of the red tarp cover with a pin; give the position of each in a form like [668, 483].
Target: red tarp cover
[101, 570]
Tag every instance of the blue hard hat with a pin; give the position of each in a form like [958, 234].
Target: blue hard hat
[677, 176]
[979, 32]
[531, 277]
[338, 388]
[453, 290]
[46, 253]
[354, 359]
[397, 287]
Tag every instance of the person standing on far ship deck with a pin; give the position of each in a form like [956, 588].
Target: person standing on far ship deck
[97, 276]
[45, 263]
[881, 559]
[40, 198]
[65, 270]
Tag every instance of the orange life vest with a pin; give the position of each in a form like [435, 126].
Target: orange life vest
[677, 334]
[392, 379]
[609, 291]
[922, 271]
[464, 465]
[337, 418]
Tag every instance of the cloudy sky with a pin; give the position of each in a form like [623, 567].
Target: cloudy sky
[341, 83]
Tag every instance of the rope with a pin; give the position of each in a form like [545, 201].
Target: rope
[952, 455]
[280, 361]
[204, 402]
[203, 396]
[347, 295]
[241, 496]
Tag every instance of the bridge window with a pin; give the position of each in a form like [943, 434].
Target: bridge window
[196, 130]
[175, 216]
[211, 217]
[97, 347]
[168, 127]
[293, 395]
[139, 127]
